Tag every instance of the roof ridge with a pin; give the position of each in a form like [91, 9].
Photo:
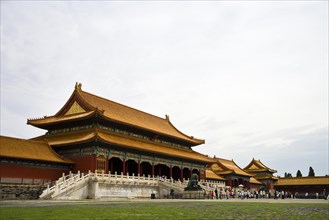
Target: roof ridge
[88, 93]
[303, 177]
[118, 113]
[90, 98]
[262, 164]
[22, 139]
[167, 119]
[39, 144]
[238, 166]
[224, 159]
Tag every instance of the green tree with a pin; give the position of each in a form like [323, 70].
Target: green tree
[299, 174]
[287, 174]
[311, 172]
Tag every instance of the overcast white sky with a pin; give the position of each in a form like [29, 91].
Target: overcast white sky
[249, 77]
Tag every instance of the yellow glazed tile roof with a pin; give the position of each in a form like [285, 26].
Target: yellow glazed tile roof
[116, 112]
[293, 181]
[125, 141]
[263, 177]
[29, 150]
[230, 167]
[211, 175]
[59, 119]
[257, 166]
[254, 181]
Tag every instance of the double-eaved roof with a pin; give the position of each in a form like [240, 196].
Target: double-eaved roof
[82, 105]
[256, 166]
[15, 148]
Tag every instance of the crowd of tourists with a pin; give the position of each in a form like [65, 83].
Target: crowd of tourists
[262, 194]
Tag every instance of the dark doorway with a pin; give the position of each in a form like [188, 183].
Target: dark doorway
[162, 170]
[132, 167]
[146, 169]
[186, 173]
[115, 165]
[176, 173]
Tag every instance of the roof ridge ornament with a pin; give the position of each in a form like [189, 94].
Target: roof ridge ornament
[78, 86]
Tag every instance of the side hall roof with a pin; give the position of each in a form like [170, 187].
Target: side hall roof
[65, 139]
[83, 104]
[257, 166]
[16, 148]
[255, 181]
[224, 167]
[294, 181]
[211, 175]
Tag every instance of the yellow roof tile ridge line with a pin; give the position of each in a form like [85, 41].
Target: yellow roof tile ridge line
[262, 164]
[166, 119]
[241, 168]
[65, 160]
[266, 167]
[193, 138]
[224, 159]
[76, 92]
[21, 139]
[66, 103]
[249, 164]
[218, 161]
[119, 104]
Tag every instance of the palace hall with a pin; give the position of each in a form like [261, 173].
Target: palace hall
[104, 136]
[91, 134]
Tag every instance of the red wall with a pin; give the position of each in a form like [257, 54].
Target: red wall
[84, 164]
[30, 172]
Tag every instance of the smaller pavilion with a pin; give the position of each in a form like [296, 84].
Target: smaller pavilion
[233, 174]
[261, 173]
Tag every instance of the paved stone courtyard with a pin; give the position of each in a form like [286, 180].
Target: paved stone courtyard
[36, 203]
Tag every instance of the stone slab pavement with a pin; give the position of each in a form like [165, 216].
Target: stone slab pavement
[41, 203]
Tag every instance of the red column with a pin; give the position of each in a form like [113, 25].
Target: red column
[231, 183]
[159, 169]
[124, 166]
[190, 173]
[106, 164]
[152, 169]
[269, 186]
[111, 166]
[181, 175]
[170, 171]
[139, 168]
[93, 163]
